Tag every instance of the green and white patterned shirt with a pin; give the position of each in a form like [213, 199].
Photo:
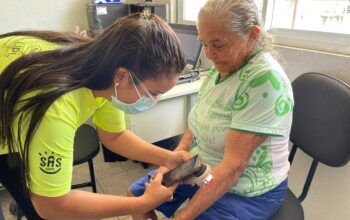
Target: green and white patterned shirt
[257, 98]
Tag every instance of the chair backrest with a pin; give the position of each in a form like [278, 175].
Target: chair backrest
[86, 144]
[321, 118]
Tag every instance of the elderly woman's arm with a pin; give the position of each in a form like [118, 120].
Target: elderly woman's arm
[185, 141]
[239, 147]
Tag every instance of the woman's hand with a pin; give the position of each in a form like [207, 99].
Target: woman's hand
[162, 169]
[156, 193]
[175, 158]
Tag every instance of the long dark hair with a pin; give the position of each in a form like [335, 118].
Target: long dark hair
[146, 46]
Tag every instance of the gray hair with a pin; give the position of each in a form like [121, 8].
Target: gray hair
[238, 16]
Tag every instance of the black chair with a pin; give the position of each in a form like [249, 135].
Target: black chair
[86, 147]
[321, 128]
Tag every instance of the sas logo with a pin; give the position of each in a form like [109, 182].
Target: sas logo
[50, 163]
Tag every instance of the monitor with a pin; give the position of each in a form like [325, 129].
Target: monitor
[188, 36]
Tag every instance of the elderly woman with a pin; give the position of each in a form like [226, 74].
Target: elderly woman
[240, 123]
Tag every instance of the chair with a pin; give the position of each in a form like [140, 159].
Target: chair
[86, 147]
[321, 128]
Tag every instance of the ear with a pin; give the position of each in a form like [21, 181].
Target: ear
[121, 76]
[254, 34]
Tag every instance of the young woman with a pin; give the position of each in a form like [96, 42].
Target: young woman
[51, 83]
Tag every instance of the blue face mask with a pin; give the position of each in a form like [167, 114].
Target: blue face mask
[143, 104]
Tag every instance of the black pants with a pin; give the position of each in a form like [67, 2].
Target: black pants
[10, 178]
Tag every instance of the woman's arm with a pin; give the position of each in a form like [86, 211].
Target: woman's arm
[185, 141]
[131, 146]
[79, 204]
[239, 147]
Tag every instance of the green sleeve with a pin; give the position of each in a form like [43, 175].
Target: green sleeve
[263, 105]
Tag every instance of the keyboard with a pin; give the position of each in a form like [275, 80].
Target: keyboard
[188, 77]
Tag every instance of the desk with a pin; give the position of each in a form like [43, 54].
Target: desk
[168, 117]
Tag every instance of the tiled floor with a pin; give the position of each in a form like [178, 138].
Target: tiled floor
[111, 178]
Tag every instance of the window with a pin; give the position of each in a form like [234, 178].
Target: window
[190, 9]
[313, 15]
[312, 24]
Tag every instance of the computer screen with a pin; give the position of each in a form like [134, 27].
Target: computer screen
[188, 36]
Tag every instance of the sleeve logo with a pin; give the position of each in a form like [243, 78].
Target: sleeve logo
[50, 163]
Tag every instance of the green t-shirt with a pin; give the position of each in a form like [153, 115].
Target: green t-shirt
[51, 149]
[257, 99]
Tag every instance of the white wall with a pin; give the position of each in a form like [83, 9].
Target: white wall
[59, 15]
[299, 61]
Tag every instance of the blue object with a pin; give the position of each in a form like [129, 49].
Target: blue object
[229, 207]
